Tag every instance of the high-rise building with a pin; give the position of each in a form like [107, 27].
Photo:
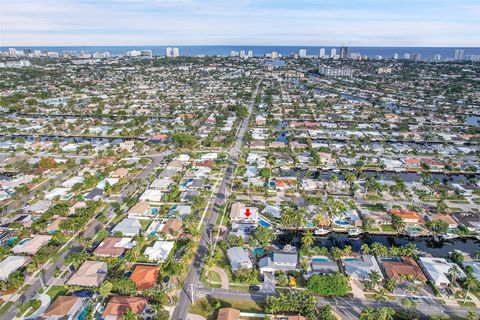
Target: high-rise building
[242, 54]
[395, 56]
[176, 52]
[12, 52]
[274, 55]
[437, 57]
[416, 56]
[173, 52]
[355, 56]
[344, 52]
[335, 72]
[333, 53]
[459, 55]
[169, 52]
[406, 56]
[250, 53]
[146, 53]
[322, 53]
[133, 53]
[233, 53]
[302, 53]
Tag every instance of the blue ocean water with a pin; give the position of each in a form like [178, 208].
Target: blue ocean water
[386, 52]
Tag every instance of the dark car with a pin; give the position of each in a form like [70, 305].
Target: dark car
[253, 287]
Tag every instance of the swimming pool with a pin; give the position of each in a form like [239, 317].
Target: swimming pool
[264, 223]
[259, 251]
[320, 259]
[341, 223]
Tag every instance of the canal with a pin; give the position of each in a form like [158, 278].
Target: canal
[426, 244]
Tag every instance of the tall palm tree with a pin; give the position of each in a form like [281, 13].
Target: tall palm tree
[391, 285]
[308, 238]
[368, 313]
[397, 222]
[386, 313]
[454, 272]
[365, 249]
[381, 295]
[471, 283]
[374, 277]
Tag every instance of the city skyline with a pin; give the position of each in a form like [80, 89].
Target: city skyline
[190, 22]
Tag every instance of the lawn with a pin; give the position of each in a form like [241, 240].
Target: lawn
[377, 207]
[5, 307]
[205, 308]
[387, 228]
[56, 291]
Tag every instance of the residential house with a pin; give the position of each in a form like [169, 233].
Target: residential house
[119, 305]
[172, 229]
[321, 265]
[239, 259]
[128, 227]
[31, 246]
[228, 314]
[140, 210]
[11, 264]
[145, 277]
[90, 274]
[438, 269]
[359, 267]
[397, 267]
[242, 214]
[113, 247]
[64, 308]
[284, 260]
[409, 217]
[159, 251]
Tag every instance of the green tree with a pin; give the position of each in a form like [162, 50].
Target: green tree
[308, 238]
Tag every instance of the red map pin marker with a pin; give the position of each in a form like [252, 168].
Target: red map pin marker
[247, 212]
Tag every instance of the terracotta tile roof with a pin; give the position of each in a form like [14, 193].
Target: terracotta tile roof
[145, 277]
[228, 314]
[171, 227]
[406, 214]
[119, 305]
[408, 266]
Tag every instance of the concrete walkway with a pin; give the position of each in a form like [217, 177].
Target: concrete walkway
[192, 316]
[223, 275]
[45, 300]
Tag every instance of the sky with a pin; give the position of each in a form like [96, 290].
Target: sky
[450, 23]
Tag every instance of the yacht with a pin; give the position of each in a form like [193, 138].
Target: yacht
[449, 236]
[354, 232]
[321, 232]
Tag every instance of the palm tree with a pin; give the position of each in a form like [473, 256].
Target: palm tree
[386, 313]
[391, 285]
[368, 313]
[471, 283]
[308, 238]
[374, 277]
[454, 272]
[365, 249]
[347, 250]
[410, 250]
[397, 222]
[381, 295]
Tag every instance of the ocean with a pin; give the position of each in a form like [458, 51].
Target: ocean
[385, 52]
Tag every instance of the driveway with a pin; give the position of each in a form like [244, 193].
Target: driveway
[223, 275]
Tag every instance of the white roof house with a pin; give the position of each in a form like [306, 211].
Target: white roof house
[159, 251]
[437, 270]
[161, 184]
[128, 227]
[11, 264]
[102, 184]
[151, 195]
[360, 268]
[72, 181]
[31, 245]
[57, 192]
[239, 259]
[239, 213]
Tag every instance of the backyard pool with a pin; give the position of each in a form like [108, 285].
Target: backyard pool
[258, 251]
[341, 222]
[264, 223]
[320, 259]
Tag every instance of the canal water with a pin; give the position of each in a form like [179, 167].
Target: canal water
[436, 249]
[406, 176]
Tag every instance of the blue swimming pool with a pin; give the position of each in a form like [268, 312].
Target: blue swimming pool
[341, 223]
[320, 259]
[258, 251]
[264, 223]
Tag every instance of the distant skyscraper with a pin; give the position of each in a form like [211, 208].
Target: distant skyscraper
[416, 56]
[169, 52]
[233, 53]
[437, 57]
[395, 56]
[176, 52]
[322, 53]
[333, 53]
[250, 53]
[242, 54]
[459, 55]
[406, 56]
[274, 55]
[302, 53]
[355, 56]
[12, 52]
[344, 52]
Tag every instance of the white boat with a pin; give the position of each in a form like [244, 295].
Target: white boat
[321, 232]
[449, 236]
[354, 231]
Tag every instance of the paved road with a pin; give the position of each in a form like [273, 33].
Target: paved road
[192, 280]
[348, 308]
[93, 227]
